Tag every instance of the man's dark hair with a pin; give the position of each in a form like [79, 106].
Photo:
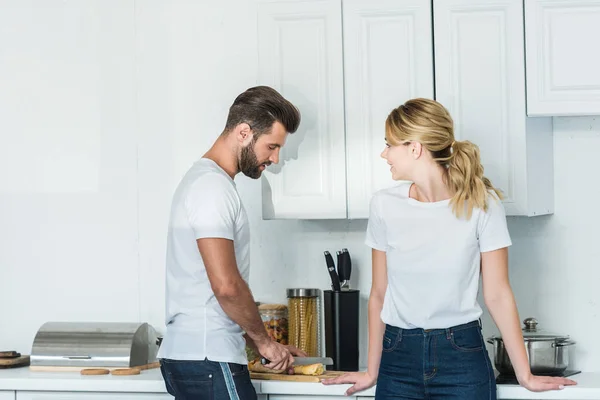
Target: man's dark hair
[260, 107]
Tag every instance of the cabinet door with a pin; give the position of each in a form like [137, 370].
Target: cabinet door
[480, 79]
[562, 57]
[300, 55]
[311, 397]
[91, 396]
[6, 395]
[388, 59]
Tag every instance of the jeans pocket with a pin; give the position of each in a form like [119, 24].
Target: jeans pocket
[391, 338]
[238, 369]
[189, 379]
[193, 389]
[467, 340]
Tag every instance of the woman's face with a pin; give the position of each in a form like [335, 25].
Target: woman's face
[400, 159]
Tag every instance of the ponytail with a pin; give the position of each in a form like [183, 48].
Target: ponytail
[465, 179]
[429, 123]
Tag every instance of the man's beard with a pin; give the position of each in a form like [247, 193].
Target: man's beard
[248, 163]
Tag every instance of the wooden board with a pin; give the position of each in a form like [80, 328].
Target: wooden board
[49, 368]
[295, 378]
[21, 361]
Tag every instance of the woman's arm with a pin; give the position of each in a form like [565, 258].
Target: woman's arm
[500, 301]
[365, 380]
[376, 325]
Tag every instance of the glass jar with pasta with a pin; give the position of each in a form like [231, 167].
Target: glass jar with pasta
[275, 320]
[305, 320]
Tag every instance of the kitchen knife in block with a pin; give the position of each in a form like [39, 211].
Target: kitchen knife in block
[335, 280]
[345, 268]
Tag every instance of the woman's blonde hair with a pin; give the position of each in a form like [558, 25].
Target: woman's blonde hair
[429, 123]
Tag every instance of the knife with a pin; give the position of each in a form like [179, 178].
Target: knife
[345, 268]
[335, 280]
[305, 360]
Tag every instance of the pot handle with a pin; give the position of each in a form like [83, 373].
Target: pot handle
[563, 344]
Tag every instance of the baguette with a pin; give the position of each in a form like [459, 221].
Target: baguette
[312, 369]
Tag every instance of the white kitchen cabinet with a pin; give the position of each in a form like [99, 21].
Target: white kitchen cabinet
[388, 59]
[90, 396]
[562, 57]
[331, 166]
[7, 395]
[300, 55]
[480, 78]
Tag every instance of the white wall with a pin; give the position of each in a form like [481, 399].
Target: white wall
[94, 138]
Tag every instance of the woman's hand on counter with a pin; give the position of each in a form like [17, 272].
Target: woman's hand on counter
[360, 380]
[537, 383]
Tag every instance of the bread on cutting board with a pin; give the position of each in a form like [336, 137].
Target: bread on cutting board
[312, 369]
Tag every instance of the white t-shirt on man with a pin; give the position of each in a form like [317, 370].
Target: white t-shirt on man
[206, 204]
[433, 258]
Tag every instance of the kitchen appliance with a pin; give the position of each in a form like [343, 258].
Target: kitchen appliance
[78, 345]
[341, 328]
[304, 320]
[548, 353]
[503, 379]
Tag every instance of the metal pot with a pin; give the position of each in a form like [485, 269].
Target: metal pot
[548, 353]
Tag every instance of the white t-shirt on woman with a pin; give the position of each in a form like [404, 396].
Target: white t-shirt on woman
[433, 258]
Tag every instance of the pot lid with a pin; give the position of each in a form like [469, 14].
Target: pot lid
[532, 332]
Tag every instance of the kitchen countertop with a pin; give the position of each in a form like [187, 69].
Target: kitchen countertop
[150, 381]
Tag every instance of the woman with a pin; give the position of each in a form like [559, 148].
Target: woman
[431, 237]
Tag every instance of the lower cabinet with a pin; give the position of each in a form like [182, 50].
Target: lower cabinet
[7, 395]
[87, 396]
[312, 397]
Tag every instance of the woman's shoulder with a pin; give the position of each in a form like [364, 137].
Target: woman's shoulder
[398, 190]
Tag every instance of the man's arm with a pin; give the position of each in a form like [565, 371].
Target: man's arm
[234, 296]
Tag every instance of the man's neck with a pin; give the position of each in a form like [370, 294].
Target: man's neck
[224, 154]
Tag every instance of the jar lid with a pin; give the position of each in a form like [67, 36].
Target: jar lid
[297, 292]
[274, 307]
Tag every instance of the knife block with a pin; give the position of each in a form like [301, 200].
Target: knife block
[341, 328]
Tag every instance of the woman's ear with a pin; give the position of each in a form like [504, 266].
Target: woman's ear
[416, 150]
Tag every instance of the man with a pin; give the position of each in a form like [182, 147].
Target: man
[208, 303]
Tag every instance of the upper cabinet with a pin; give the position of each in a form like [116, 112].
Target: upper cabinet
[300, 55]
[344, 90]
[480, 78]
[387, 60]
[562, 57]
[497, 64]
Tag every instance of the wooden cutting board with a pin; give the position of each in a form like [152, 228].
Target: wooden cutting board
[21, 361]
[295, 378]
[121, 370]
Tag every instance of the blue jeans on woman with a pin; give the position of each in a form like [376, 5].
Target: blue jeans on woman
[207, 380]
[435, 364]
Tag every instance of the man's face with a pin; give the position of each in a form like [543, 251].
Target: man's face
[262, 152]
